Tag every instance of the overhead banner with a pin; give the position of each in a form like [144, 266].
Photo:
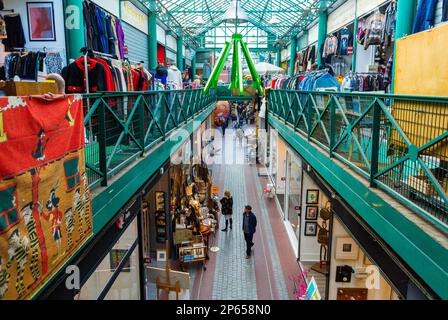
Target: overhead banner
[45, 204]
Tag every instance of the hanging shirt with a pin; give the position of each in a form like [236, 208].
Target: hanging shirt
[425, 17]
[14, 30]
[75, 80]
[345, 40]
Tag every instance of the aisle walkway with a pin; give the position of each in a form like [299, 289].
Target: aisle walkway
[229, 275]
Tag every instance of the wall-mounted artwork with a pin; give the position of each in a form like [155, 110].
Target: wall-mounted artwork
[41, 21]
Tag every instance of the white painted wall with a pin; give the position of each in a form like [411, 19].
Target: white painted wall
[341, 16]
[160, 34]
[365, 6]
[313, 34]
[57, 46]
[383, 293]
[171, 42]
[109, 5]
[309, 247]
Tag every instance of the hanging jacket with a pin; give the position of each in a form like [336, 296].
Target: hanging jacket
[425, 17]
[75, 81]
[120, 37]
[14, 30]
[175, 77]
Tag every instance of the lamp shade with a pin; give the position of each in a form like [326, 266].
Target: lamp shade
[235, 14]
[274, 20]
[199, 20]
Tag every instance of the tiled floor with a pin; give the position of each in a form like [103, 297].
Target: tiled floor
[229, 275]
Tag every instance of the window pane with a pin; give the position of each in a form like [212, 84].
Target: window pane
[95, 284]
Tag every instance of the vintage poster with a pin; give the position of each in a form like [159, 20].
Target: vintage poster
[45, 205]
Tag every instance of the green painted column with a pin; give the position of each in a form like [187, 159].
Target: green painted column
[152, 35]
[355, 44]
[193, 66]
[323, 20]
[279, 57]
[180, 54]
[74, 28]
[405, 19]
[292, 56]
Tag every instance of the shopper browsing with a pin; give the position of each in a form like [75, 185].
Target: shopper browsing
[227, 209]
[249, 228]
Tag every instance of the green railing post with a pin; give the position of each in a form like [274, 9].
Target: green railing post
[332, 126]
[141, 123]
[308, 117]
[376, 126]
[102, 142]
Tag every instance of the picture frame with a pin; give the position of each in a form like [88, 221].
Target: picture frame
[161, 255]
[346, 249]
[116, 256]
[312, 196]
[312, 213]
[310, 229]
[41, 23]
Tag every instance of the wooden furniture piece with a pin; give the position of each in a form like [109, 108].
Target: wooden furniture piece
[25, 88]
[352, 294]
[169, 280]
[193, 252]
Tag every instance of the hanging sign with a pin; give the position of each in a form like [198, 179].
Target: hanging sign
[134, 16]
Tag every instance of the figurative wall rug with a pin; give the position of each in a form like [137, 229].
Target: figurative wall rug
[45, 207]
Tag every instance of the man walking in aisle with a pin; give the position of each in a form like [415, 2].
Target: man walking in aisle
[249, 228]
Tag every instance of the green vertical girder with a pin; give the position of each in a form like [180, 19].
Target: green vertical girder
[75, 37]
[253, 72]
[217, 70]
[237, 67]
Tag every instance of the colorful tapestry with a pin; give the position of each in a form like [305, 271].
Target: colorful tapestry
[45, 207]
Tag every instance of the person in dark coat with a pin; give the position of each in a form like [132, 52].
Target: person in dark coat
[227, 209]
[249, 228]
[225, 124]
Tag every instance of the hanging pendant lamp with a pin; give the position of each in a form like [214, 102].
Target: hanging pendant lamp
[235, 14]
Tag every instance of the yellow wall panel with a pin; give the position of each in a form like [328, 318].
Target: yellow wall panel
[422, 64]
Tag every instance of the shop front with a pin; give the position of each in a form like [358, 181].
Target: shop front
[335, 260]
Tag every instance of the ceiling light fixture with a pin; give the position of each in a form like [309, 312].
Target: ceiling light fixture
[235, 14]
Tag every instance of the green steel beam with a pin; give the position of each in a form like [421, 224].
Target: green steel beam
[292, 56]
[355, 43]
[74, 19]
[152, 35]
[180, 54]
[323, 20]
[423, 254]
[279, 57]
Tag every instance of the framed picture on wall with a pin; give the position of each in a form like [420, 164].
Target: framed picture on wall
[161, 255]
[312, 196]
[41, 21]
[310, 229]
[116, 256]
[346, 249]
[312, 213]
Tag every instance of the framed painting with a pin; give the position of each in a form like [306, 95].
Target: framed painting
[310, 229]
[41, 24]
[312, 196]
[116, 256]
[312, 213]
[346, 249]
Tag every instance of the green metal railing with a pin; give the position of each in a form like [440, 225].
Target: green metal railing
[121, 127]
[399, 143]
